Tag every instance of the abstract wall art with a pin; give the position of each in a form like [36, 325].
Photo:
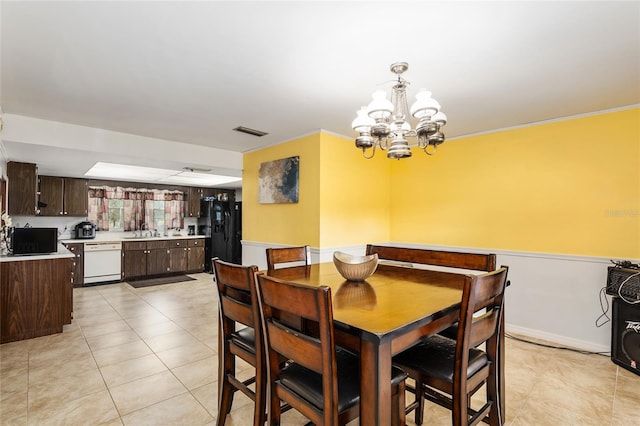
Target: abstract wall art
[278, 181]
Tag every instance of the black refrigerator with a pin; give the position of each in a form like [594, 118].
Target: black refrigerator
[220, 222]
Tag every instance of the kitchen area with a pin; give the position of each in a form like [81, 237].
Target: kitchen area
[52, 246]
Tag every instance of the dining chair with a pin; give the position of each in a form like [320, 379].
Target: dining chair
[282, 255]
[447, 371]
[238, 307]
[321, 380]
[451, 259]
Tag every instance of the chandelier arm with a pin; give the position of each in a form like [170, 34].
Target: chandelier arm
[383, 143]
[373, 152]
[426, 149]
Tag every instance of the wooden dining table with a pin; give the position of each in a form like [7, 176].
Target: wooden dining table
[382, 316]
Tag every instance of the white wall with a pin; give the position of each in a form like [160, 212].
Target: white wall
[551, 297]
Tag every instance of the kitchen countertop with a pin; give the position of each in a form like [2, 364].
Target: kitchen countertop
[101, 237]
[60, 254]
[104, 237]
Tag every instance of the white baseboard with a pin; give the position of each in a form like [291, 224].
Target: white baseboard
[556, 339]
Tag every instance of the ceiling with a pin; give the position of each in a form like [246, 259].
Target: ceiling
[190, 72]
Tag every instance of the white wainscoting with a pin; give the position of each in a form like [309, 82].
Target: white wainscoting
[552, 297]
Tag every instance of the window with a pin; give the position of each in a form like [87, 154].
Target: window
[158, 215]
[133, 209]
[116, 215]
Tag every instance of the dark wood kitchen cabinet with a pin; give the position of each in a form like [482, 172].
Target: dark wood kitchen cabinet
[196, 194]
[158, 257]
[134, 260]
[76, 197]
[141, 259]
[179, 256]
[77, 274]
[195, 258]
[21, 190]
[193, 202]
[36, 298]
[60, 196]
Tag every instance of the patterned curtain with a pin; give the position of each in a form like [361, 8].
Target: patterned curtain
[98, 208]
[174, 209]
[138, 207]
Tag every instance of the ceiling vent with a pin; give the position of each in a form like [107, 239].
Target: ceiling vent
[195, 169]
[249, 131]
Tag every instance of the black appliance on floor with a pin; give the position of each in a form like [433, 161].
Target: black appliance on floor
[625, 335]
[220, 226]
[623, 282]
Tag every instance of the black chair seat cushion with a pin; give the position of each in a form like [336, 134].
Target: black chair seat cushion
[451, 332]
[308, 384]
[245, 338]
[435, 357]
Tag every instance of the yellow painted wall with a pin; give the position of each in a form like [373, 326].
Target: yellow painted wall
[354, 194]
[566, 187]
[343, 198]
[288, 224]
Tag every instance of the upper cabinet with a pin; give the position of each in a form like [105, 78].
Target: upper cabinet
[76, 197]
[196, 194]
[60, 196]
[193, 202]
[21, 191]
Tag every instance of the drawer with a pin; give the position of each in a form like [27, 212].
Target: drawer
[134, 245]
[196, 242]
[158, 244]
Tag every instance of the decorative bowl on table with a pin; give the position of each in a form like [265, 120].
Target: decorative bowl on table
[355, 268]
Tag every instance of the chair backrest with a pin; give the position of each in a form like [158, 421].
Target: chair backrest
[238, 298]
[288, 255]
[480, 316]
[312, 350]
[452, 259]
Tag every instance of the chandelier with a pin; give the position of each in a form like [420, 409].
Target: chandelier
[384, 124]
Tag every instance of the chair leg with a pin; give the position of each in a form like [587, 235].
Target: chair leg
[274, 410]
[398, 405]
[226, 390]
[225, 399]
[495, 416]
[259, 416]
[419, 402]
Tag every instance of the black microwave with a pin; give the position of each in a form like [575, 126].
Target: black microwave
[34, 240]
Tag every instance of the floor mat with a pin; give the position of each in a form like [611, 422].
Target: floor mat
[160, 281]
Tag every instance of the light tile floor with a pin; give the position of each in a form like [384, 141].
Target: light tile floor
[149, 357]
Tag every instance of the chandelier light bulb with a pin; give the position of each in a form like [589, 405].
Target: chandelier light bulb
[425, 105]
[380, 107]
[362, 123]
[439, 118]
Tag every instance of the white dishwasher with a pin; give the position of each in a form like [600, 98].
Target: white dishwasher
[102, 262]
